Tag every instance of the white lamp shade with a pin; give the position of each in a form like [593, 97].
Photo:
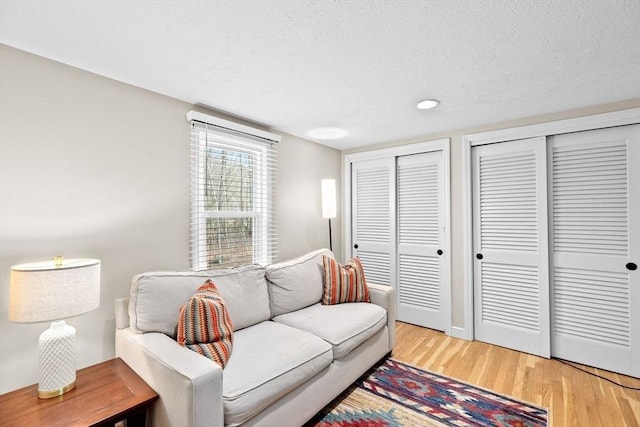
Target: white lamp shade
[328, 198]
[44, 291]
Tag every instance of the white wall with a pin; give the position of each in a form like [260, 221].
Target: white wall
[299, 197]
[90, 167]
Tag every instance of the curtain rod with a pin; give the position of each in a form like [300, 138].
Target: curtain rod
[195, 116]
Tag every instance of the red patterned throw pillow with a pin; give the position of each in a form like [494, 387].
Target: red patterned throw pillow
[205, 326]
[344, 283]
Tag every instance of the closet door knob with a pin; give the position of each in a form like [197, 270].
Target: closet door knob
[355, 246]
[439, 251]
[631, 266]
[479, 256]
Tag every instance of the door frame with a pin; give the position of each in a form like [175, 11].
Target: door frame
[591, 122]
[403, 150]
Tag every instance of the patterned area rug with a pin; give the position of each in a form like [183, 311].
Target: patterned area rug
[396, 394]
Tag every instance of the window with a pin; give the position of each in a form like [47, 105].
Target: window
[233, 171]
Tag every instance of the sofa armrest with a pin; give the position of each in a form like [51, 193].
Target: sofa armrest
[122, 312]
[385, 297]
[189, 385]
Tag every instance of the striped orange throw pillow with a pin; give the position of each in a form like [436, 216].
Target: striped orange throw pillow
[344, 283]
[205, 326]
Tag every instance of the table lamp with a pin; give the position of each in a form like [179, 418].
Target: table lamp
[52, 291]
[329, 203]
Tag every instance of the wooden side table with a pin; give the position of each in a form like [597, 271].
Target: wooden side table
[105, 394]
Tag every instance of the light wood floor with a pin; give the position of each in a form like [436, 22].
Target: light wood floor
[572, 397]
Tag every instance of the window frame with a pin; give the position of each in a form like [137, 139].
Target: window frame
[264, 247]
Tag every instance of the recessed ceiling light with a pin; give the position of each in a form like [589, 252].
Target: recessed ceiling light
[327, 133]
[428, 104]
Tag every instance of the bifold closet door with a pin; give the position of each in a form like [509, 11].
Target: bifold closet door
[595, 221]
[373, 218]
[421, 260]
[511, 280]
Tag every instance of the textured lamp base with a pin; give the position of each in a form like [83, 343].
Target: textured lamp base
[57, 360]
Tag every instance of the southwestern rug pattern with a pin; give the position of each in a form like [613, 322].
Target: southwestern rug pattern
[398, 395]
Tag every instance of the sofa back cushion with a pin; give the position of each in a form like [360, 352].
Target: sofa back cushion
[156, 297]
[296, 283]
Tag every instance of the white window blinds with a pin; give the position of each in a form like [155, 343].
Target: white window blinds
[233, 185]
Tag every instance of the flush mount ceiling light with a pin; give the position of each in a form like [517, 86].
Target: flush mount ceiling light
[327, 133]
[428, 104]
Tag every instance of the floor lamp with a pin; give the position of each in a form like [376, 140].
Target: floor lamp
[329, 203]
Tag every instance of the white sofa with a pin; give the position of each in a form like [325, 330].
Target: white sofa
[291, 354]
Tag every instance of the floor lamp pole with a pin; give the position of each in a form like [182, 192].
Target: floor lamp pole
[330, 243]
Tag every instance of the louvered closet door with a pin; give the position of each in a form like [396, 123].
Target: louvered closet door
[420, 239]
[511, 285]
[595, 186]
[373, 218]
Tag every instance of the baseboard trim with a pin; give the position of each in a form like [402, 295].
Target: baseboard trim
[461, 333]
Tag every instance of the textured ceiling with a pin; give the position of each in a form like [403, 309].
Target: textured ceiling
[361, 65]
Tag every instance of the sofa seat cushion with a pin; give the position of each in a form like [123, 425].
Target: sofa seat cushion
[344, 326]
[269, 360]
